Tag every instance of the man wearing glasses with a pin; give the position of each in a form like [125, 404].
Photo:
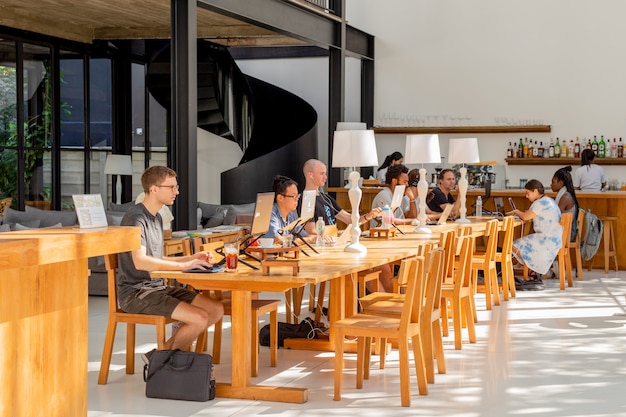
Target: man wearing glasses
[137, 292]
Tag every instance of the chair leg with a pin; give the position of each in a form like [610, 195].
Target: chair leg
[217, 342]
[438, 346]
[130, 348]
[429, 354]
[319, 306]
[418, 357]
[445, 321]
[361, 359]
[107, 352]
[405, 379]
[457, 320]
[579, 264]
[339, 336]
[471, 329]
[511, 277]
[493, 279]
[561, 258]
[273, 338]
[254, 347]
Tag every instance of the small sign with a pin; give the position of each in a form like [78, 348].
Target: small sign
[89, 210]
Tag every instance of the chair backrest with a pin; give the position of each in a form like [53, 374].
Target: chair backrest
[508, 227]
[463, 270]
[491, 230]
[464, 231]
[212, 247]
[447, 241]
[566, 222]
[435, 273]
[111, 263]
[412, 308]
[579, 231]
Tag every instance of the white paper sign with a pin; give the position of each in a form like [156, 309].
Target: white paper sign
[89, 210]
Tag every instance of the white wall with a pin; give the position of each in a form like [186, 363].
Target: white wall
[215, 155]
[560, 61]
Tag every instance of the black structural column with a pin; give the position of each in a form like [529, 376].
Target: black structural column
[336, 94]
[184, 110]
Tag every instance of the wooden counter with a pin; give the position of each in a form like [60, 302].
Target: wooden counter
[43, 316]
[607, 203]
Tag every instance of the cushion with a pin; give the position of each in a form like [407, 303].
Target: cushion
[15, 216]
[4, 203]
[5, 228]
[212, 214]
[27, 225]
[52, 217]
[121, 207]
[114, 218]
[236, 209]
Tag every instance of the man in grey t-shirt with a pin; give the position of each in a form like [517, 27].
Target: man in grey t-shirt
[137, 292]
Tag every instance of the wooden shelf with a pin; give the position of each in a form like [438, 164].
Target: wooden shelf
[463, 129]
[563, 161]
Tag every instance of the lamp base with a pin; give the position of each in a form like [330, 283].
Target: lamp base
[423, 229]
[462, 220]
[356, 248]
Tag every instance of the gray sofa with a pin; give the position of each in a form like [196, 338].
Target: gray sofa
[212, 215]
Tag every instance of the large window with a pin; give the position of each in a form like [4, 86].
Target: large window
[8, 122]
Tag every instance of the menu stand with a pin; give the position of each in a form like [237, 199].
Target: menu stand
[278, 257]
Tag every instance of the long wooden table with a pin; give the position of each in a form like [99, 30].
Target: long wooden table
[43, 316]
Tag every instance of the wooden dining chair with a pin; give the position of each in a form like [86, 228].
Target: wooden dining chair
[565, 260]
[504, 257]
[432, 339]
[258, 308]
[366, 326]
[116, 315]
[486, 262]
[459, 295]
[575, 245]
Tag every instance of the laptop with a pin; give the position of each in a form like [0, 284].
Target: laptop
[344, 238]
[307, 210]
[445, 214]
[499, 203]
[396, 200]
[262, 214]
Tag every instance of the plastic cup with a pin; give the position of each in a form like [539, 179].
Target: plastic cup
[287, 240]
[231, 252]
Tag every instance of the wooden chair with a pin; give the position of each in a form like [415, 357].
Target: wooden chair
[505, 257]
[575, 245]
[486, 262]
[607, 248]
[459, 295]
[116, 315]
[565, 261]
[366, 326]
[259, 307]
[432, 339]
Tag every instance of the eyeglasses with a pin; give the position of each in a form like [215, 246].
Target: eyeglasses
[295, 197]
[171, 187]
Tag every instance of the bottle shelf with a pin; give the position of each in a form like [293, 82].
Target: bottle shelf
[462, 129]
[563, 161]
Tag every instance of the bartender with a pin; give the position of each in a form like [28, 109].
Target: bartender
[590, 176]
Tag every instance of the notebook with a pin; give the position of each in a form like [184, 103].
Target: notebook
[307, 211]
[262, 213]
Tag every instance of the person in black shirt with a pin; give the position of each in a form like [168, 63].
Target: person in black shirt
[440, 196]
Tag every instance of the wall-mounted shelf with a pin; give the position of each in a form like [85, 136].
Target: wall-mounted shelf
[563, 161]
[463, 129]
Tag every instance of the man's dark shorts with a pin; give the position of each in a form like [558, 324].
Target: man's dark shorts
[158, 301]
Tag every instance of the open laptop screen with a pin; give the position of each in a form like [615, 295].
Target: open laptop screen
[396, 200]
[262, 213]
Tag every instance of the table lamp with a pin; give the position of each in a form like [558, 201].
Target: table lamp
[118, 165]
[422, 149]
[354, 148]
[463, 151]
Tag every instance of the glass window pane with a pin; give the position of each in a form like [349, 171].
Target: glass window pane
[72, 176]
[8, 121]
[158, 124]
[37, 125]
[100, 102]
[72, 100]
[138, 106]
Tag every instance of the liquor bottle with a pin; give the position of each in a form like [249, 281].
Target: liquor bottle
[530, 149]
[614, 149]
[520, 149]
[557, 149]
[594, 146]
[564, 149]
[525, 148]
[601, 148]
[577, 148]
[479, 206]
[509, 151]
[570, 149]
[536, 150]
[589, 144]
[540, 150]
[620, 149]
[551, 149]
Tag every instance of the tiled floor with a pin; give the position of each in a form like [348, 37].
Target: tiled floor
[547, 353]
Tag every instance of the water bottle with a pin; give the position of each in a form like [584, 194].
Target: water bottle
[319, 229]
[386, 215]
[479, 206]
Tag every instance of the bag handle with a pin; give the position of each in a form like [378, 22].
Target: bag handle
[147, 375]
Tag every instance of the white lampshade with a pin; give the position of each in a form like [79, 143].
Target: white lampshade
[351, 126]
[354, 148]
[463, 151]
[118, 165]
[422, 149]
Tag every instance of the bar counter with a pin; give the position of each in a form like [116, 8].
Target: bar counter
[605, 203]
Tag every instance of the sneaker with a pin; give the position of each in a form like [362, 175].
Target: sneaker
[146, 356]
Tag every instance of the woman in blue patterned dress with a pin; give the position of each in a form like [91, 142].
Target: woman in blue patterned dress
[538, 250]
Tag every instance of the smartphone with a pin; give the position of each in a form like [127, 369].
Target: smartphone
[512, 203]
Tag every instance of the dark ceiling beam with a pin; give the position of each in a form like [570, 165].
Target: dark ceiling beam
[283, 17]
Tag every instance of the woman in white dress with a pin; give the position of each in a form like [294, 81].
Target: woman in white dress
[538, 250]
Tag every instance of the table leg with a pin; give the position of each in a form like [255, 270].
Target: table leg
[240, 386]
